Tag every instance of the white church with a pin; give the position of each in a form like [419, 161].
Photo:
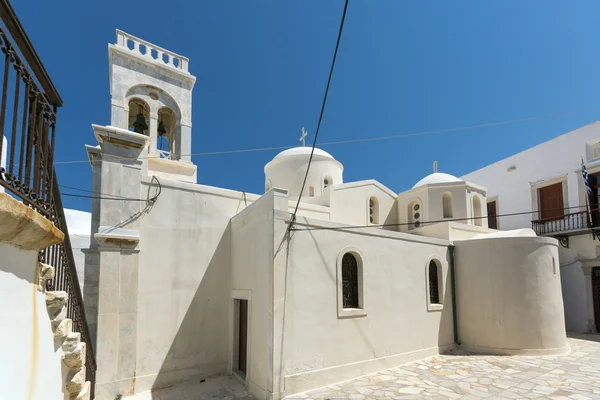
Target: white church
[200, 281]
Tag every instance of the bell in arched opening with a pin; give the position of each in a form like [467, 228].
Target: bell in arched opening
[138, 116]
[166, 131]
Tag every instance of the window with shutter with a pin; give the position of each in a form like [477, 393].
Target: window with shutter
[551, 201]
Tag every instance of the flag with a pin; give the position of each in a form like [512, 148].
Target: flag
[585, 178]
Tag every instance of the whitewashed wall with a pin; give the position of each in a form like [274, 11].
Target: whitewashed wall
[513, 181]
[79, 224]
[315, 347]
[30, 368]
[509, 296]
[350, 203]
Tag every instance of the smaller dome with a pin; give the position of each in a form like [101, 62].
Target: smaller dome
[436, 177]
[298, 151]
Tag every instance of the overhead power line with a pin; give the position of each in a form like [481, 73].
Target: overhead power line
[117, 197]
[312, 150]
[106, 196]
[361, 140]
[423, 223]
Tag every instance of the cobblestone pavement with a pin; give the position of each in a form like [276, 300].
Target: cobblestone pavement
[575, 376]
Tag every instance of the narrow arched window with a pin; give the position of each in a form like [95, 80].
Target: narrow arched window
[139, 116]
[350, 281]
[477, 211]
[311, 191]
[327, 181]
[447, 204]
[373, 210]
[434, 284]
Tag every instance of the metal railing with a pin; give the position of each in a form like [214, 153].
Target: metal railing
[568, 222]
[27, 140]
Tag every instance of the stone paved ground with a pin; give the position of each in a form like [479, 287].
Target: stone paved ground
[575, 376]
[220, 387]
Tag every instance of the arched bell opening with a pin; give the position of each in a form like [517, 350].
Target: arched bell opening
[139, 116]
[166, 132]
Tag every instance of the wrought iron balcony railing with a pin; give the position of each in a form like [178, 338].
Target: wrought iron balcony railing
[567, 224]
[28, 104]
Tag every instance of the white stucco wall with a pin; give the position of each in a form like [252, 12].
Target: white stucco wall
[559, 158]
[509, 296]
[350, 203]
[513, 183]
[316, 347]
[252, 249]
[79, 224]
[184, 281]
[432, 204]
[29, 368]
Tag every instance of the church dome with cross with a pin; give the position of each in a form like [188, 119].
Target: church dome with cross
[288, 168]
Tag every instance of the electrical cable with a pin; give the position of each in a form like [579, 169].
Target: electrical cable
[337, 46]
[350, 141]
[103, 195]
[91, 191]
[428, 222]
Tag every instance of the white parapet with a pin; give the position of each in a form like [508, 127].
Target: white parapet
[151, 51]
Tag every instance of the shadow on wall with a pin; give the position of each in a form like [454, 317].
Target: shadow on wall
[200, 347]
[446, 319]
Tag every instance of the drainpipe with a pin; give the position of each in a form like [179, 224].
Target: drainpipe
[453, 283]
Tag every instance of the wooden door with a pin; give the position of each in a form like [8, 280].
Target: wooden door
[596, 295]
[491, 209]
[551, 201]
[243, 335]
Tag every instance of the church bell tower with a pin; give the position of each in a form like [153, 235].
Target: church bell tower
[148, 141]
[151, 94]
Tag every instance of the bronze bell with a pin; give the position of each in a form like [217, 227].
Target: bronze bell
[162, 130]
[139, 125]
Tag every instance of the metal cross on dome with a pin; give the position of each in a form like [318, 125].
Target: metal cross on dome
[304, 134]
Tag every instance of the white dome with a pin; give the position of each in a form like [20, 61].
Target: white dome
[437, 177]
[297, 151]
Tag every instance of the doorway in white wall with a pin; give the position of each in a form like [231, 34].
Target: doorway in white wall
[240, 334]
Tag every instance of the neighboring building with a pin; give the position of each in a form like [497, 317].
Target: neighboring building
[545, 184]
[198, 281]
[80, 227]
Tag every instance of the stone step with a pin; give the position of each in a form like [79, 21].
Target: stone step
[76, 357]
[84, 394]
[71, 341]
[63, 329]
[56, 300]
[75, 380]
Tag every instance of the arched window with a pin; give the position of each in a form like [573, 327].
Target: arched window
[166, 131]
[327, 181]
[414, 213]
[434, 275]
[477, 211]
[139, 116]
[447, 204]
[373, 210]
[350, 281]
[311, 191]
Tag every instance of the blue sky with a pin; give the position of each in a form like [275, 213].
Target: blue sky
[403, 67]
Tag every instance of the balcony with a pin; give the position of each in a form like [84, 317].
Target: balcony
[577, 223]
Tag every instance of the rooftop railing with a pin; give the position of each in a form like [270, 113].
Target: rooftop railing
[151, 51]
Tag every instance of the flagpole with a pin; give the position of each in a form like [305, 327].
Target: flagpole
[587, 194]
